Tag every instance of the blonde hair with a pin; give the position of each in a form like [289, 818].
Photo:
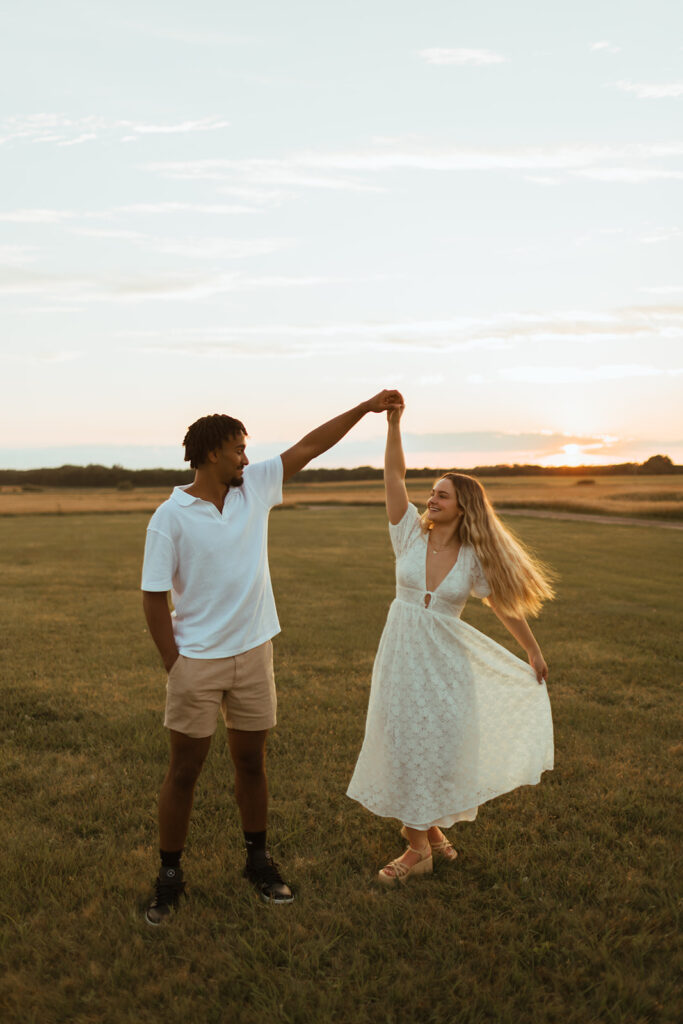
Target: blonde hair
[519, 582]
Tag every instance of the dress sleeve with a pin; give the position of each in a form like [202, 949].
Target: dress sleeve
[479, 584]
[403, 532]
[265, 480]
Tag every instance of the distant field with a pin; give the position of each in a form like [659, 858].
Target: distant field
[651, 497]
[563, 907]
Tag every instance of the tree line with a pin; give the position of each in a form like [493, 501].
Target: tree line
[126, 479]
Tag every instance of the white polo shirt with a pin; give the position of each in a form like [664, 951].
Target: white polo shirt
[216, 565]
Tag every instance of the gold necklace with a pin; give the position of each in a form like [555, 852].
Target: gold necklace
[437, 551]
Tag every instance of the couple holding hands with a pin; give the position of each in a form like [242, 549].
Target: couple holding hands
[453, 720]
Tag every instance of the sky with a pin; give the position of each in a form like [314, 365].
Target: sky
[274, 210]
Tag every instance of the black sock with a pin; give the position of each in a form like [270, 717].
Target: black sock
[256, 845]
[170, 859]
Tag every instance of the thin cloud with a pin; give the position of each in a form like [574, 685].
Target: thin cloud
[204, 124]
[295, 171]
[606, 46]
[349, 170]
[121, 234]
[37, 216]
[478, 58]
[61, 130]
[212, 209]
[284, 281]
[48, 128]
[259, 195]
[40, 358]
[85, 137]
[178, 288]
[55, 287]
[652, 90]
[190, 248]
[63, 356]
[45, 308]
[52, 216]
[627, 447]
[182, 34]
[478, 448]
[629, 175]
[665, 234]
[202, 349]
[543, 179]
[168, 288]
[585, 375]
[558, 157]
[498, 441]
[459, 334]
[18, 254]
[216, 248]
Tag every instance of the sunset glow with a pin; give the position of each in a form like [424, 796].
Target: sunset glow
[479, 211]
[574, 455]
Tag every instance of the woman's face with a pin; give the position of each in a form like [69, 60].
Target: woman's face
[442, 505]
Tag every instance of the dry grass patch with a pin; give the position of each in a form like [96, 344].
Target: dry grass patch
[641, 496]
[561, 909]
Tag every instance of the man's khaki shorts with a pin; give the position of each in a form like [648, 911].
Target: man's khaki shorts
[243, 687]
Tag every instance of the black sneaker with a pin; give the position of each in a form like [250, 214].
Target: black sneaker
[168, 888]
[267, 881]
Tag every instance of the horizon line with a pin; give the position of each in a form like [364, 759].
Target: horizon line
[351, 469]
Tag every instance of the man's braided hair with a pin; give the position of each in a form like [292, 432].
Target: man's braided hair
[207, 434]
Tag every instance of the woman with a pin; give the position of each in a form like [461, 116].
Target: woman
[454, 719]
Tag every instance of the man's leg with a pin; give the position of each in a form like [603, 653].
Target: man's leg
[177, 791]
[175, 805]
[248, 752]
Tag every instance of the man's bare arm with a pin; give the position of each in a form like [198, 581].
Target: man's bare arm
[326, 436]
[158, 615]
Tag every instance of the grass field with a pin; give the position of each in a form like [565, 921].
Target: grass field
[656, 497]
[562, 907]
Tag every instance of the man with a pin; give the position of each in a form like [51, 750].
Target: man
[208, 545]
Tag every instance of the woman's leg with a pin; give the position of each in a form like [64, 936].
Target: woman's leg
[418, 846]
[441, 844]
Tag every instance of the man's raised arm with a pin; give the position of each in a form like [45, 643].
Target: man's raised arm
[327, 435]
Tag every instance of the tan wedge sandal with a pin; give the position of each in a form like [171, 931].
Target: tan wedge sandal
[402, 872]
[444, 848]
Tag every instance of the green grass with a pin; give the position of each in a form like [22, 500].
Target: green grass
[563, 905]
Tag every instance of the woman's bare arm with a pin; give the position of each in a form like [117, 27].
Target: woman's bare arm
[395, 468]
[520, 630]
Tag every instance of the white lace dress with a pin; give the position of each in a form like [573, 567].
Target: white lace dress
[454, 719]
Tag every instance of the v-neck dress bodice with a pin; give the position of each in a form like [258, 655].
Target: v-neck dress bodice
[454, 719]
[450, 596]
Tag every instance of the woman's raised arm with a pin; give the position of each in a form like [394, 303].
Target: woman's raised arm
[395, 468]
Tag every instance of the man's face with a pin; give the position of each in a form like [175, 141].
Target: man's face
[230, 460]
